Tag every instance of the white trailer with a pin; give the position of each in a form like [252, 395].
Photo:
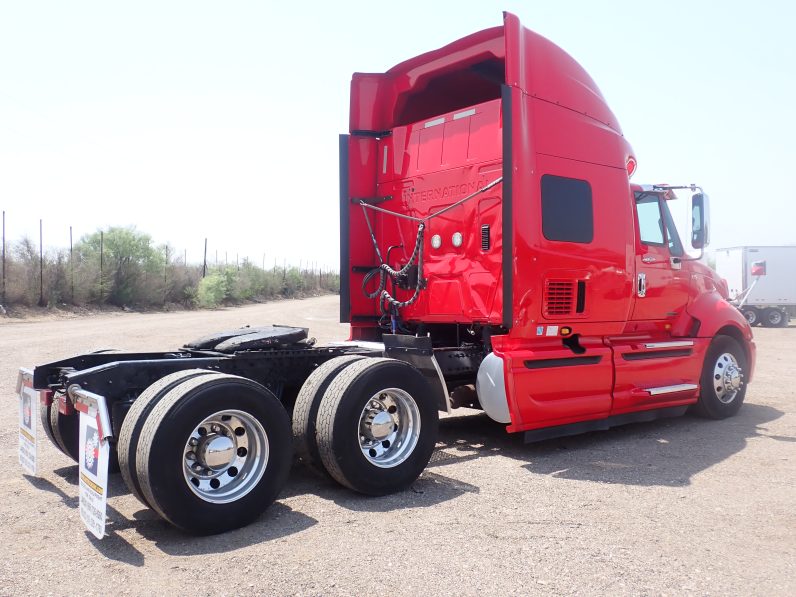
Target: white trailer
[761, 281]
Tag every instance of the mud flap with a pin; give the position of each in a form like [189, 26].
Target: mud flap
[28, 417]
[94, 455]
[417, 351]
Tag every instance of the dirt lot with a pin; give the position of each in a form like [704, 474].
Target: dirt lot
[679, 506]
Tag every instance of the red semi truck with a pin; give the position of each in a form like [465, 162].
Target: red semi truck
[494, 254]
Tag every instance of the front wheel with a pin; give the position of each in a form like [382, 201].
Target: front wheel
[214, 453]
[377, 426]
[722, 385]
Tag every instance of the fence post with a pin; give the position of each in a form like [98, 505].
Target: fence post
[102, 267]
[4, 258]
[71, 266]
[41, 263]
[165, 276]
[204, 262]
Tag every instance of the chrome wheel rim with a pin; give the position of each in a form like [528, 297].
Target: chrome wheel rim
[389, 428]
[225, 456]
[775, 317]
[751, 317]
[727, 378]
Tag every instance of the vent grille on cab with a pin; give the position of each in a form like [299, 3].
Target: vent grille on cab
[559, 296]
[485, 240]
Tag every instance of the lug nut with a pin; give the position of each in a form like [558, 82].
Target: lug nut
[193, 441]
[190, 456]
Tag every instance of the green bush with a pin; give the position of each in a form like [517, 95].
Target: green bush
[212, 290]
[124, 267]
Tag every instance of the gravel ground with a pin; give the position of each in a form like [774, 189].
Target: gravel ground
[678, 506]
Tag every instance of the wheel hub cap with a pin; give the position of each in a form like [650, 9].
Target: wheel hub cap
[727, 378]
[217, 452]
[379, 425]
[225, 456]
[732, 379]
[389, 428]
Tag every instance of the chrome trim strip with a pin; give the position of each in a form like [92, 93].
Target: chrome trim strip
[674, 344]
[681, 387]
[434, 122]
[464, 114]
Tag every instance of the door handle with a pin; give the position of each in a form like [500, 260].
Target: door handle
[642, 285]
[676, 262]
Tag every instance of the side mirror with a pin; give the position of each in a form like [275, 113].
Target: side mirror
[758, 268]
[700, 221]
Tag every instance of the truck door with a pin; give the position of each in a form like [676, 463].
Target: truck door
[661, 283]
[652, 369]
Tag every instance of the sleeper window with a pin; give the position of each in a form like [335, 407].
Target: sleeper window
[567, 212]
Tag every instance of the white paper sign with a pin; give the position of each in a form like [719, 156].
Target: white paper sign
[94, 454]
[28, 415]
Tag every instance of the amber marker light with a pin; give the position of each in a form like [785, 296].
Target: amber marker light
[631, 166]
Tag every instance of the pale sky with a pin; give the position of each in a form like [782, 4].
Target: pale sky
[220, 119]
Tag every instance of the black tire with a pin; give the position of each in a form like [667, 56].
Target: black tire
[342, 409]
[715, 400]
[305, 411]
[127, 444]
[775, 318]
[44, 417]
[65, 430]
[752, 315]
[162, 443]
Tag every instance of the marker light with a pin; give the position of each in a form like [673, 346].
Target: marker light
[566, 331]
[436, 241]
[631, 166]
[457, 239]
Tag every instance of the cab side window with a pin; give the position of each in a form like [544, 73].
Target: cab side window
[650, 222]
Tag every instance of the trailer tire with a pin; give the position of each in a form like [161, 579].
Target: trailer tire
[752, 315]
[774, 318]
[127, 444]
[65, 431]
[305, 410]
[722, 386]
[377, 426]
[214, 453]
[44, 416]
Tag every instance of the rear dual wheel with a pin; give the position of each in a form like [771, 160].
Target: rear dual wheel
[208, 452]
[774, 318]
[127, 444]
[752, 315]
[376, 426]
[62, 430]
[305, 410]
